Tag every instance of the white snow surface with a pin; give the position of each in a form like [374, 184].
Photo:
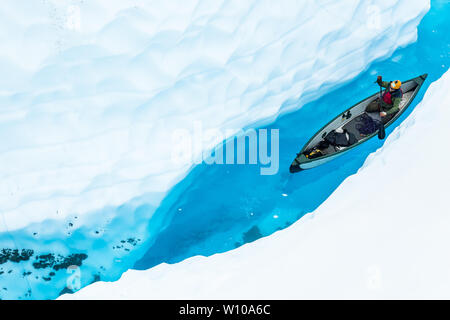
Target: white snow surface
[92, 91]
[382, 234]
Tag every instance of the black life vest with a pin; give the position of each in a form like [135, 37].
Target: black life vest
[343, 139]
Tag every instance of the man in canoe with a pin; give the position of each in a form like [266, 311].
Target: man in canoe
[390, 99]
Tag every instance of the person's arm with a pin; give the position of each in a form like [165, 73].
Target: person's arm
[395, 106]
[382, 83]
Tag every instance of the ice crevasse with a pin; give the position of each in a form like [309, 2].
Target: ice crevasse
[369, 248]
[91, 91]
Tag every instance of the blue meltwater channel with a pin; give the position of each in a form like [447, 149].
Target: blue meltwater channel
[220, 207]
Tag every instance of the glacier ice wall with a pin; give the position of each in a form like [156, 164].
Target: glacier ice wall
[91, 91]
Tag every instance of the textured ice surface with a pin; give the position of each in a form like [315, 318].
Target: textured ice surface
[387, 247]
[91, 92]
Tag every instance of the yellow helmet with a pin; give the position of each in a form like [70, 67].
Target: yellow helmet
[396, 84]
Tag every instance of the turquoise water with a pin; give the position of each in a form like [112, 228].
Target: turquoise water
[220, 207]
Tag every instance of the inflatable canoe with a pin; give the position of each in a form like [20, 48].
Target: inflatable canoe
[348, 122]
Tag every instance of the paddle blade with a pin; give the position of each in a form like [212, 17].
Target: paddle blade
[381, 132]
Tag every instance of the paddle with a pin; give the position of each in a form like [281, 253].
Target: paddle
[381, 132]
